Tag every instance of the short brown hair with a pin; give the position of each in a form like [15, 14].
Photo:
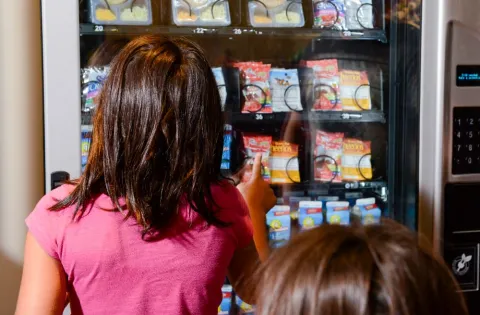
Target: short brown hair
[373, 270]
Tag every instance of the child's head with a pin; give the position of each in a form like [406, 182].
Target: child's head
[158, 133]
[376, 270]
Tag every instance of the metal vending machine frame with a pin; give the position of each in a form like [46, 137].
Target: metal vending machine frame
[449, 153]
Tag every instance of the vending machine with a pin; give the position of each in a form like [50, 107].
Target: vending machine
[449, 158]
[327, 90]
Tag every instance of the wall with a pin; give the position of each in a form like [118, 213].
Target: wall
[21, 136]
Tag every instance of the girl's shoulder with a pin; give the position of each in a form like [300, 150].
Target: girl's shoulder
[225, 192]
[229, 200]
[46, 225]
[54, 196]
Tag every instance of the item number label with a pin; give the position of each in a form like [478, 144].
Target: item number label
[199, 30]
[237, 31]
[258, 117]
[98, 28]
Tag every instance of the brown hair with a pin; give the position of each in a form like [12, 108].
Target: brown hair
[157, 134]
[373, 270]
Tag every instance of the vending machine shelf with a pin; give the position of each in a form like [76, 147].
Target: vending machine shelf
[287, 33]
[372, 116]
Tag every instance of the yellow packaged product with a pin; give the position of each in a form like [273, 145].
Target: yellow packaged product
[355, 90]
[356, 164]
[284, 163]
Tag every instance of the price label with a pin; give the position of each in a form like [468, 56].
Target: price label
[258, 117]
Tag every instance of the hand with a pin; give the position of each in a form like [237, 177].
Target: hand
[257, 193]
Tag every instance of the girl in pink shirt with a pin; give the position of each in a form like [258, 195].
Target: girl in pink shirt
[150, 227]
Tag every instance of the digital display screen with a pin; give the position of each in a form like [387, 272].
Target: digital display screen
[468, 75]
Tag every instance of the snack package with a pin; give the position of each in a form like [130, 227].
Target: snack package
[326, 84]
[226, 305]
[257, 144]
[276, 13]
[329, 148]
[120, 12]
[284, 163]
[329, 14]
[359, 14]
[355, 90]
[222, 89]
[285, 87]
[325, 199]
[92, 81]
[370, 213]
[310, 215]
[356, 165]
[244, 308]
[338, 212]
[279, 229]
[227, 143]
[255, 87]
[85, 143]
[201, 13]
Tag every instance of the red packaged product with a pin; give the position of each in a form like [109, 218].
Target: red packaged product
[328, 156]
[327, 82]
[255, 87]
[257, 144]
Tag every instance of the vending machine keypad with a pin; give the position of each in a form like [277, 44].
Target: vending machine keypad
[466, 140]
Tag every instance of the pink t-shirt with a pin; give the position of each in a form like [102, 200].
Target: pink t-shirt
[111, 270]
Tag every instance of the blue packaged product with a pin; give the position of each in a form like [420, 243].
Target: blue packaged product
[227, 142]
[370, 213]
[85, 143]
[244, 308]
[93, 79]
[325, 199]
[226, 305]
[329, 14]
[338, 212]
[310, 214]
[222, 88]
[279, 229]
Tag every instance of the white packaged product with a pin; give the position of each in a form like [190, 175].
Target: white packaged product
[276, 13]
[201, 12]
[285, 87]
[359, 14]
[120, 12]
[222, 88]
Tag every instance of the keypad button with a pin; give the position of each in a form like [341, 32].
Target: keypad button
[466, 140]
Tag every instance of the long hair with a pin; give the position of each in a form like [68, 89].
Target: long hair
[376, 270]
[157, 135]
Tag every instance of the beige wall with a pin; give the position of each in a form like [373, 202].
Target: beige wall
[21, 136]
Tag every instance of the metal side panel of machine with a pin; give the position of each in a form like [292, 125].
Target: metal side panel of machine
[61, 79]
[450, 139]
